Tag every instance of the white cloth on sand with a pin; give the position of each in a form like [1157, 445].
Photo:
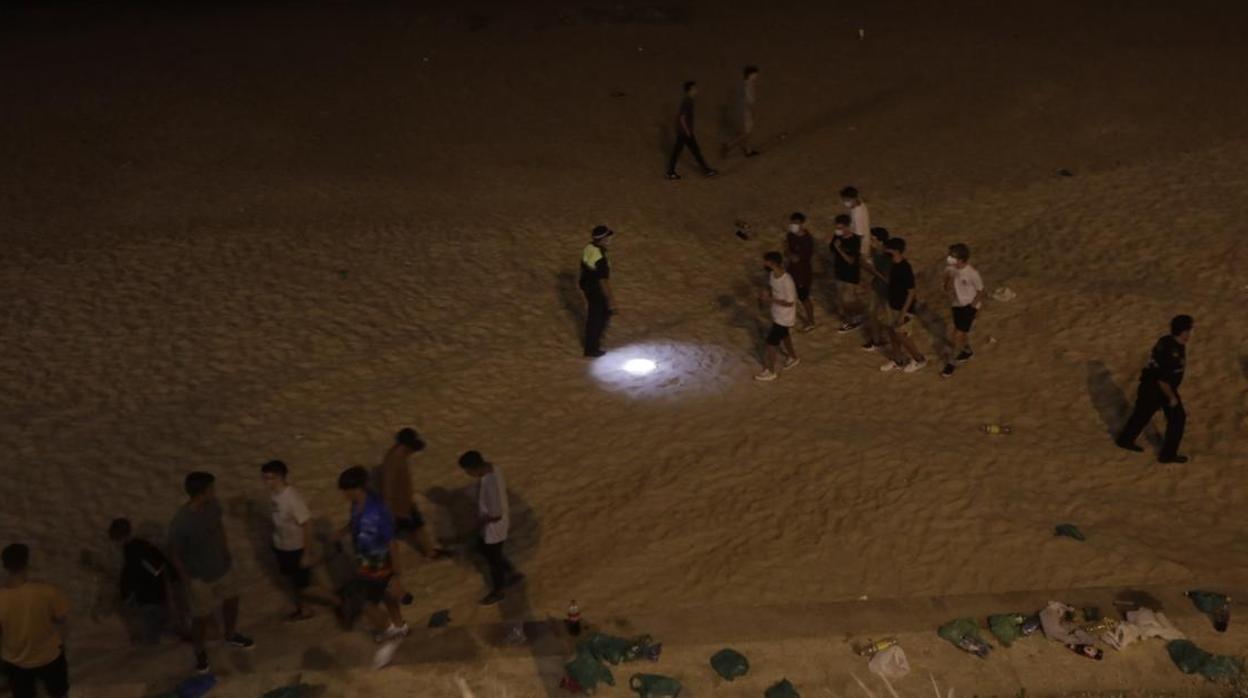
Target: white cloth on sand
[1056, 627]
[1141, 625]
[891, 663]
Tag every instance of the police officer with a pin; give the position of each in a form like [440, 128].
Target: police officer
[595, 284]
[1159, 388]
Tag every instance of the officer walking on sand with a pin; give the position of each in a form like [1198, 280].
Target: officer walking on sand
[596, 285]
[1159, 389]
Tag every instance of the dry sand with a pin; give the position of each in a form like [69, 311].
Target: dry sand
[239, 233]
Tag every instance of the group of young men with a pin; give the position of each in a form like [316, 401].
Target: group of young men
[875, 291]
[193, 577]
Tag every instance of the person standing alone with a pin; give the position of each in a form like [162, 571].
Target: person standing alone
[746, 113]
[684, 135]
[595, 283]
[494, 518]
[31, 648]
[966, 287]
[1159, 389]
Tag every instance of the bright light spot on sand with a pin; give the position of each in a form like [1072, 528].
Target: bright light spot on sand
[639, 367]
[663, 370]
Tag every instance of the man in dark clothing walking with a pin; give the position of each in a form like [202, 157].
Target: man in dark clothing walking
[595, 284]
[684, 135]
[1159, 389]
[146, 583]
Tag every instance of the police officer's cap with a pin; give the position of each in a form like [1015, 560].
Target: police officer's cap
[602, 232]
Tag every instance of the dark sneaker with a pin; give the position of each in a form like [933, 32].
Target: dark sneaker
[672, 175]
[240, 641]
[1173, 459]
[947, 372]
[201, 663]
[964, 356]
[492, 598]
[595, 354]
[1129, 446]
[850, 327]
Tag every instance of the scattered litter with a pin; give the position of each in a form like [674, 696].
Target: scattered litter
[1070, 531]
[730, 664]
[584, 673]
[890, 663]
[1141, 624]
[963, 633]
[874, 647]
[1217, 606]
[654, 686]
[1191, 659]
[1008, 627]
[1063, 172]
[1089, 651]
[996, 429]
[1004, 294]
[783, 689]
[440, 619]
[1057, 619]
[612, 649]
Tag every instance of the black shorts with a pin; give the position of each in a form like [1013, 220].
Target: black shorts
[54, 676]
[776, 334]
[373, 588]
[963, 317]
[803, 293]
[290, 564]
[413, 522]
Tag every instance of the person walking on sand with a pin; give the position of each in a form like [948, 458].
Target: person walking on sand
[494, 519]
[31, 613]
[966, 288]
[292, 538]
[396, 490]
[200, 553]
[595, 283]
[146, 583]
[847, 272]
[901, 300]
[371, 529]
[745, 112]
[1159, 389]
[800, 246]
[781, 297]
[685, 137]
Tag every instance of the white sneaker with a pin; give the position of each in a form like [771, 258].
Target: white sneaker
[792, 361]
[890, 366]
[806, 328]
[765, 376]
[914, 366]
[385, 654]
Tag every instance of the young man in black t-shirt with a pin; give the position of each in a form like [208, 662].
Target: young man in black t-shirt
[1159, 389]
[901, 300]
[146, 583]
[847, 272]
[684, 135]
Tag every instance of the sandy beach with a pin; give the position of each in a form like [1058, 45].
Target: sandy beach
[241, 232]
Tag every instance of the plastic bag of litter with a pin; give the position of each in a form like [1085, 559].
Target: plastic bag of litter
[654, 686]
[784, 689]
[730, 664]
[891, 663]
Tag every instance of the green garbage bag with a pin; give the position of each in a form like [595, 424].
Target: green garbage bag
[612, 649]
[784, 689]
[1222, 669]
[730, 664]
[588, 672]
[1187, 656]
[956, 629]
[1070, 531]
[1208, 601]
[1006, 627]
[654, 686]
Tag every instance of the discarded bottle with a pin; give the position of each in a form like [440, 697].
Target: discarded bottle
[1088, 651]
[573, 621]
[996, 429]
[874, 647]
[979, 648]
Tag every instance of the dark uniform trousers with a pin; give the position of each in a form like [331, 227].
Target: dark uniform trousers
[682, 141]
[595, 318]
[1148, 400]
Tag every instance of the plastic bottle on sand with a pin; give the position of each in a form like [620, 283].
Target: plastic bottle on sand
[574, 618]
[996, 429]
[874, 647]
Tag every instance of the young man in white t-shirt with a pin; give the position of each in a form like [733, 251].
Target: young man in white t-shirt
[292, 532]
[966, 289]
[494, 518]
[781, 297]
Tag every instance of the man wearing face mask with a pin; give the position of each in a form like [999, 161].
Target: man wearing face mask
[800, 247]
[1159, 389]
[964, 284]
[595, 284]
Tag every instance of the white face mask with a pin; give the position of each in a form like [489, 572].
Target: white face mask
[793, 227]
[951, 260]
